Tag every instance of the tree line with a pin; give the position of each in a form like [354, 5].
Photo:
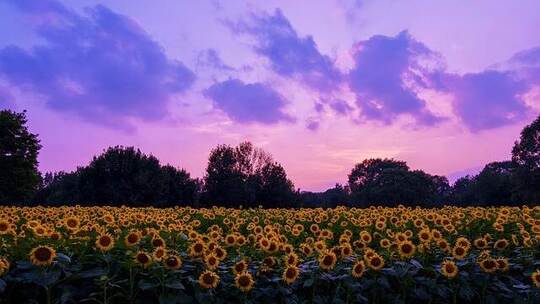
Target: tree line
[247, 176]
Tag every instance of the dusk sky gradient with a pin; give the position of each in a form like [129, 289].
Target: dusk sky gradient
[444, 85]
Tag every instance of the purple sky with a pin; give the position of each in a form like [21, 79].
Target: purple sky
[444, 85]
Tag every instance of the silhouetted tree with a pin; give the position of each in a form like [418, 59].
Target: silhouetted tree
[494, 186]
[526, 159]
[463, 191]
[390, 182]
[19, 175]
[247, 176]
[120, 176]
[333, 197]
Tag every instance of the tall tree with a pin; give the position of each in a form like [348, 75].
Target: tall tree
[390, 182]
[224, 182]
[526, 159]
[494, 184]
[19, 175]
[247, 176]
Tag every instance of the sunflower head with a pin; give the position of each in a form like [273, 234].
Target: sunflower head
[208, 279]
[358, 269]
[4, 266]
[173, 262]
[211, 261]
[42, 255]
[488, 265]
[142, 258]
[244, 281]
[375, 262]
[240, 267]
[290, 274]
[535, 277]
[327, 260]
[449, 269]
[105, 242]
[406, 249]
[132, 238]
[502, 264]
[459, 252]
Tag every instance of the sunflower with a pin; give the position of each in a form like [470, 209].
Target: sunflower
[358, 269]
[211, 261]
[42, 255]
[424, 235]
[105, 242]
[291, 259]
[230, 240]
[290, 274]
[208, 279]
[459, 252]
[173, 262]
[488, 265]
[5, 227]
[72, 223]
[480, 243]
[240, 267]
[449, 269]
[132, 238]
[158, 242]
[535, 277]
[463, 242]
[406, 249]
[501, 244]
[142, 258]
[159, 253]
[197, 249]
[375, 262]
[502, 264]
[327, 260]
[244, 281]
[4, 266]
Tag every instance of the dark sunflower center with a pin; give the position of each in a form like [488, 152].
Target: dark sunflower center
[43, 254]
[142, 258]
[133, 238]
[172, 262]
[244, 280]
[375, 261]
[328, 260]
[105, 241]
[291, 273]
[208, 279]
[406, 248]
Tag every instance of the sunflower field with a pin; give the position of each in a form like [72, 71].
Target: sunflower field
[219, 255]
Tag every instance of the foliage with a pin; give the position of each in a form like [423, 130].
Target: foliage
[526, 158]
[283, 251]
[247, 176]
[19, 149]
[390, 182]
[120, 176]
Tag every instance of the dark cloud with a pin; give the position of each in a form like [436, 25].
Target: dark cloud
[341, 107]
[289, 54]
[384, 76]
[101, 65]
[210, 58]
[248, 103]
[488, 99]
[312, 125]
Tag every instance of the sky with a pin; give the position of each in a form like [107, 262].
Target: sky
[446, 86]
